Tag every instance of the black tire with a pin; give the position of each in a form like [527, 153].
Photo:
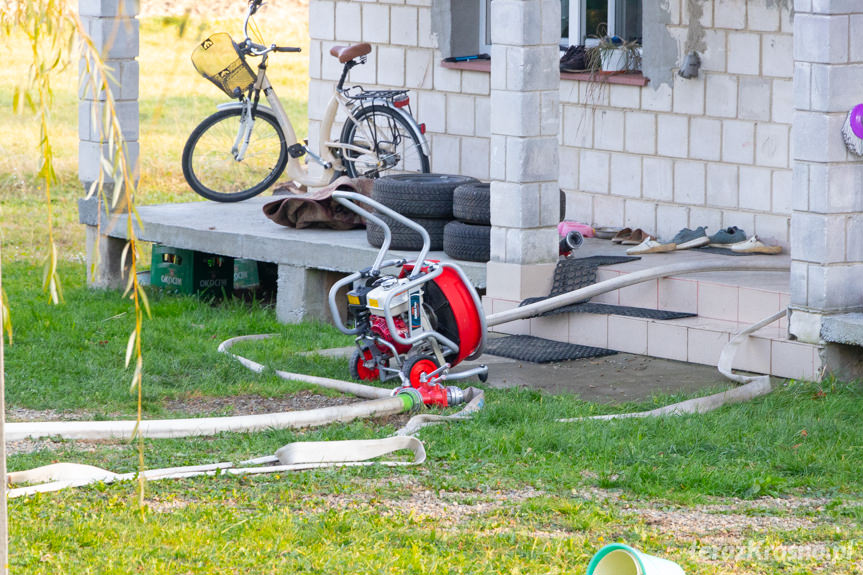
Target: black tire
[209, 165]
[471, 203]
[419, 195]
[562, 206]
[467, 242]
[395, 143]
[404, 238]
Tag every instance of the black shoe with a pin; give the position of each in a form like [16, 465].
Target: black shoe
[574, 60]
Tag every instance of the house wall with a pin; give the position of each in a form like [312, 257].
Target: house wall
[711, 151]
[454, 104]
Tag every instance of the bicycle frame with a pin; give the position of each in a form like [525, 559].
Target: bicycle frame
[329, 161]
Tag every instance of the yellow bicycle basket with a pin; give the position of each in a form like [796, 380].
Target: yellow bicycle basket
[218, 60]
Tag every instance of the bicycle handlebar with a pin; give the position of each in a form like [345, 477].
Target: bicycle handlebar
[259, 49]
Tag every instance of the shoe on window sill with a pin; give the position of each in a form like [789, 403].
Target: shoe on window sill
[650, 246]
[687, 238]
[755, 246]
[727, 236]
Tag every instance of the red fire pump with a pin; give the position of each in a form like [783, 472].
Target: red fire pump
[414, 323]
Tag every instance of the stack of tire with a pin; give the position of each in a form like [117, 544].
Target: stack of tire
[468, 237]
[427, 199]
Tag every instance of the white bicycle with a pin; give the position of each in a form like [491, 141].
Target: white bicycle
[243, 148]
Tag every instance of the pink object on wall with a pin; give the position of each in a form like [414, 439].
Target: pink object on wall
[565, 227]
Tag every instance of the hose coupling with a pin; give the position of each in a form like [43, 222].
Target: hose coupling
[454, 395]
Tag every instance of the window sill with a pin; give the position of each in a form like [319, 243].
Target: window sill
[627, 78]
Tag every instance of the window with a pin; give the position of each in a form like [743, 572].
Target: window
[580, 19]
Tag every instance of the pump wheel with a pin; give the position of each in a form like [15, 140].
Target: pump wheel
[417, 365]
[358, 368]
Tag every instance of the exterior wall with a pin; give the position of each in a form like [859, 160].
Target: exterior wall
[712, 150]
[454, 104]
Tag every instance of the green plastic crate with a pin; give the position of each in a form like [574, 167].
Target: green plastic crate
[188, 271]
[246, 274]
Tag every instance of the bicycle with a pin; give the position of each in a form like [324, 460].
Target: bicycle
[244, 147]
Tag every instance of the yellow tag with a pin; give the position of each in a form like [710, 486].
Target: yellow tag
[352, 299]
[373, 302]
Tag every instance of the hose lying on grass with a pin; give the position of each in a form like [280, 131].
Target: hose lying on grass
[753, 386]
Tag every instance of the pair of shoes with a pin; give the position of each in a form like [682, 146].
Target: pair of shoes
[755, 246]
[726, 237]
[574, 59]
[629, 237]
[650, 246]
[687, 238]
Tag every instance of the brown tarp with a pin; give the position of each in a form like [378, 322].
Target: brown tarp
[317, 209]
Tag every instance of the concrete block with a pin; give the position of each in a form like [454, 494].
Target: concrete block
[625, 96]
[776, 55]
[835, 188]
[90, 163]
[854, 235]
[781, 200]
[579, 207]
[782, 103]
[855, 52]
[670, 219]
[772, 229]
[639, 214]
[802, 6]
[431, 109]
[533, 68]
[835, 6]
[755, 184]
[516, 22]
[549, 124]
[515, 282]
[738, 142]
[569, 91]
[656, 98]
[568, 170]
[105, 255]
[707, 217]
[475, 82]
[593, 171]
[404, 25]
[730, 14]
[742, 46]
[799, 282]
[706, 139]
[549, 206]
[426, 38]
[743, 220]
[836, 88]
[515, 205]
[841, 287]
[91, 114]
[577, 126]
[715, 57]
[721, 95]
[640, 133]
[330, 69]
[419, 69]
[301, 294]
[722, 185]
[754, 102]
[771, 145]
[608, 130]
[515, 113]
[594, 94]
[319, 93]
[608, 210]
[672, 135]
[689, 95]
[446, 154]
[315, 52]
[800, 187]
[322, 18]
[482, 116]
[802, 85]
[447, 79]
[460, 115]
[475, 157]
[820, 38]
[108, 8]
[626, 175]
[706, 19]
[392, 74]
[115, 38]
[499, 67]
[532, 246]
[658, 179]
[689, 183]
[368, 72]
[531, 159]
[348, 21]
[763, 16]
[497, 165]
[816, 137]
[818, 238]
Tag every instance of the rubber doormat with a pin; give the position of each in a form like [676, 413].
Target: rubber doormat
[539, 350]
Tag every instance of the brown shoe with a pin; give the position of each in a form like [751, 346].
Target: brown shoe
[621, 235]
[637, 237]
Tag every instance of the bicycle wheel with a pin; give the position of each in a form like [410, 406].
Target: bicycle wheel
[209, 164]
[393, 148]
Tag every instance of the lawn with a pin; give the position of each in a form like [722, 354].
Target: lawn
[765, 487]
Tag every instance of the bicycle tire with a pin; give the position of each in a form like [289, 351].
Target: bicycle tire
[209, 165]
[387, 128]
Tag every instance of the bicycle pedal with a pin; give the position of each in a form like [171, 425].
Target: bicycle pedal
[297, 150]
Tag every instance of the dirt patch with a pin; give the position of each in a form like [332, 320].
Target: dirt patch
[253, 404]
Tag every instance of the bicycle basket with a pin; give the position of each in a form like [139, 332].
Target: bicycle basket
[218, 60]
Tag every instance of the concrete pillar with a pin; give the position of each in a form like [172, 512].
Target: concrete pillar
[301, 294]
[113, 27]
[827, 221]
[525, 110]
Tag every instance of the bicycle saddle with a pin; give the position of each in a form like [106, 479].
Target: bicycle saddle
[348, 53]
